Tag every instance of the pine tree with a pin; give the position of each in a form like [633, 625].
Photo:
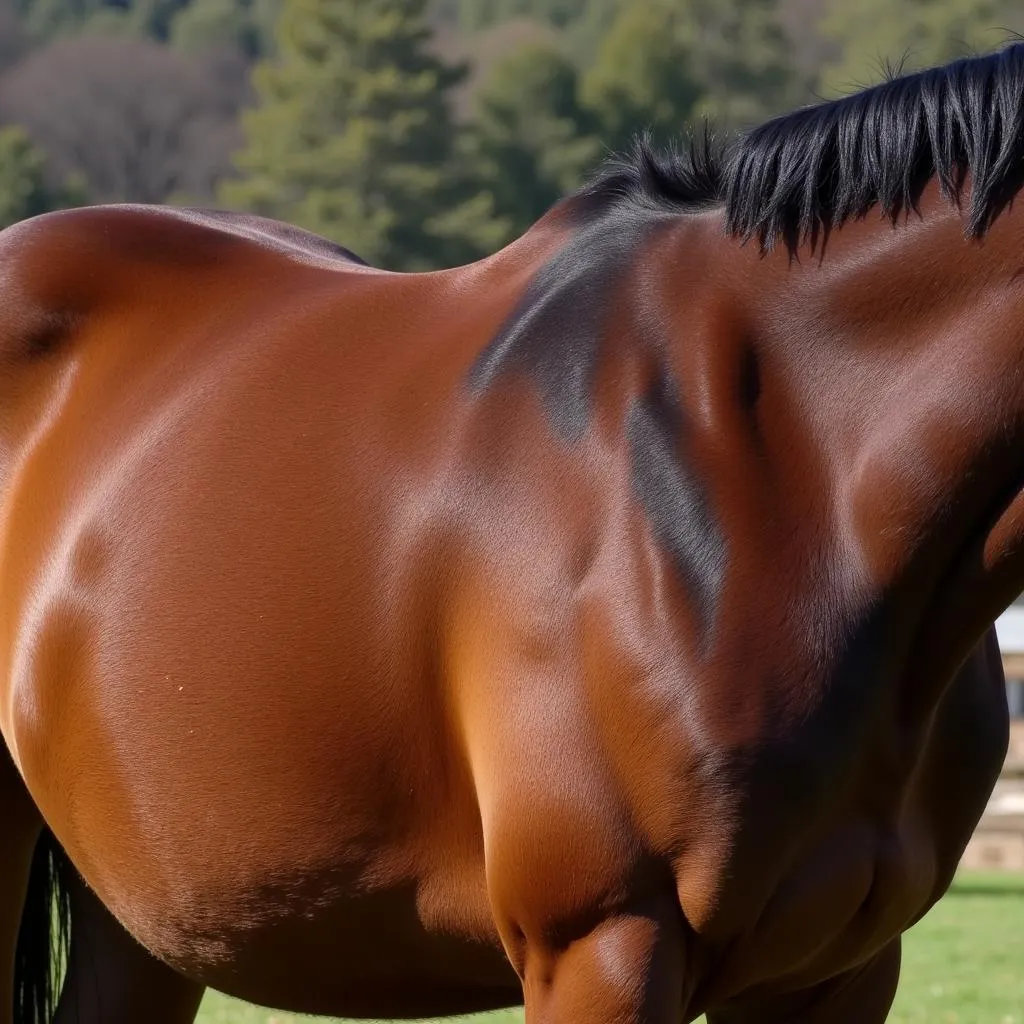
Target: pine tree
[643, 77]
[353, 138]
[247, 25]
[664, 64]
[532, 140]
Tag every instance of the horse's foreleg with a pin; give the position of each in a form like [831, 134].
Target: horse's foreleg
[112, 979]
[628, 970]
[20, 825]
[860, 996]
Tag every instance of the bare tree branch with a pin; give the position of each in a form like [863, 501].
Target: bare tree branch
[137, 120]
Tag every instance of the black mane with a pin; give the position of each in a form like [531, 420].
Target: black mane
[797, 176]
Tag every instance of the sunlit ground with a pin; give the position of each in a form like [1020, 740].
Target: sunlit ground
[963, 964]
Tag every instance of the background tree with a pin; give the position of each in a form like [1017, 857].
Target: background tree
[643, 75]
[367, 127]
[24, 188]
[12, 39]
[243, 25]
[533, 142]
[481, 52]
[870, 34]
[664, 64]
[586, 32]
[134, 119]
[49, 19]
[353, 136]
[477, 14]
[743, 59]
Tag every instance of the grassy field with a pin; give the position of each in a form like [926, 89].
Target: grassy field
[963, 964]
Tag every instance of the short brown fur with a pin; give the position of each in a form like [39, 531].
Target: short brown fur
[351, 688]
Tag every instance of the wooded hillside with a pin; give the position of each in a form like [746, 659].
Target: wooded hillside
[417, 132]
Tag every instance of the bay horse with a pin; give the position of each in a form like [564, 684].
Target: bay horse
[604, 626]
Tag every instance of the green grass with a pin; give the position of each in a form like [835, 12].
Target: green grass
[963, 964]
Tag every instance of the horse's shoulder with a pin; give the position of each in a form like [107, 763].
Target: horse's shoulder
[86, 251]
[60, 265]
[87, 241]
[44, 280]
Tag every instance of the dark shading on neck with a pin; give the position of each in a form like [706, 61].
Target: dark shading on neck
[796, 177]
[555, 333]
[674, 497]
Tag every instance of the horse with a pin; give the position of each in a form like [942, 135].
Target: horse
[604, 626]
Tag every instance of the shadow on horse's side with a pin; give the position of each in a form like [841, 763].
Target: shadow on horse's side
[605, 625]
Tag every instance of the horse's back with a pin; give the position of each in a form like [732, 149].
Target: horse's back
[58, 268]
[275, 233]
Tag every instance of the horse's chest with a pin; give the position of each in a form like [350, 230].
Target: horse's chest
[833, 850]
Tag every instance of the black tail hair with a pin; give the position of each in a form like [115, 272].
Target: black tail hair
[44, 936]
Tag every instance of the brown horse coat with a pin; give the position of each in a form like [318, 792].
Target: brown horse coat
[603, 623]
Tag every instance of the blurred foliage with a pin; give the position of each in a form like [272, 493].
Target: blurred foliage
[132, 118]
[666, 63]
[418, 132]
[50, 19]
[477, 14]
[353, 137]
[247, 25]
[24, 188]
[872, 35]
[12, 35]
[531, 139]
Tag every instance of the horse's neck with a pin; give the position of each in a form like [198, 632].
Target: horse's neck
[891, 371]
